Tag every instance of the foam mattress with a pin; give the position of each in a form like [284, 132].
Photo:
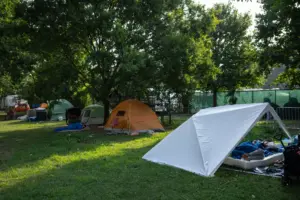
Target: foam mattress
[244, 164]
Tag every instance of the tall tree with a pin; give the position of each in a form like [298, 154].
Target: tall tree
[14, 59]
[182, 48]
[278, 38]
[7, 86]
[103, 41]
[233, 51]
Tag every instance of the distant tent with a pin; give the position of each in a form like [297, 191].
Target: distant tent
[93, 115]
[8, 101]
[57, 109]
[133, 116]
[202, 143]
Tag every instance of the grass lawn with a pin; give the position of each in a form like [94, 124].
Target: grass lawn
[2, 115]
[37, 163]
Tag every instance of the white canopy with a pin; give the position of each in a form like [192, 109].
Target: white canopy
[201, 144]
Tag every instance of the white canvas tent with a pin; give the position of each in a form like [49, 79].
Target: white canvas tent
[201, 144]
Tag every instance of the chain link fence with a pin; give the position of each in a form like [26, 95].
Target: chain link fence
[277, 98]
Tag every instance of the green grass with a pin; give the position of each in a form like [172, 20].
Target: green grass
[37, 163]
[2, 115]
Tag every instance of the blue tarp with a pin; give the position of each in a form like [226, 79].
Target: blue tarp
[248, 147]
[74, 126]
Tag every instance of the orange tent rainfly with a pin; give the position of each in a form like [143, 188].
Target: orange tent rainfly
[132, 117]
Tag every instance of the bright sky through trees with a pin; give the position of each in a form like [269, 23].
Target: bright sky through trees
[251, 7]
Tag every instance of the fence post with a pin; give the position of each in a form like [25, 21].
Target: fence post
[276, 97]
[252, 97]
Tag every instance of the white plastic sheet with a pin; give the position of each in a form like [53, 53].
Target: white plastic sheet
[201, 144]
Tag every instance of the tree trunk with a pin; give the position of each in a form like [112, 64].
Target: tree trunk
[162, 119]
[232, 97]
[185, 100]
[106, 110]
[169, 110]
[215, 92]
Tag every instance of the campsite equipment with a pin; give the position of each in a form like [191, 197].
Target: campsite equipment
[33, 106]
[38, 114]
[31, 113]
[73, 115]
[41, 114]
[44, 105]
[9, 101]
[202, 143]
[133, 116]
[10, 113]
[57, 109]
[93, 115]
[22, 107]
[291, 162]
[70, 127]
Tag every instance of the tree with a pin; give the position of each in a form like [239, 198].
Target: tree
[14, 60]
[7, 86]
[278, 38]
[52, 78]
[234, 54]
[182, 49]
[104, 42]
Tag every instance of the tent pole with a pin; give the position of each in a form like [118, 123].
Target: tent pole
[277, 118]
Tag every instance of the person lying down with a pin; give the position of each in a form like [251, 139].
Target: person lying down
[255, 150]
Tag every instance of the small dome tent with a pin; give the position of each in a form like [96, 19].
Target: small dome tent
[57, 109]
[133, 116]
[93, 115]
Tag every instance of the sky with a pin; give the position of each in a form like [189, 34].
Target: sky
[244, 7]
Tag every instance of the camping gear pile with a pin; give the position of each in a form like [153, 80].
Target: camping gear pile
[20, 109]
[274, 170]
[291, 161]
[55, 111]
[255, 150]
[38, 114]
[73, 115]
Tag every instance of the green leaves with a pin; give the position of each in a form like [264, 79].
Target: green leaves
[234, 54]
[278, 35]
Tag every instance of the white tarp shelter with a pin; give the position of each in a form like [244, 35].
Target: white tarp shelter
[201, 144]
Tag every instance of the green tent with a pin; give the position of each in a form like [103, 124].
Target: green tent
[93, 115]
[57, 109]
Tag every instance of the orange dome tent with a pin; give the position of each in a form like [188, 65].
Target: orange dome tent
[133, 116]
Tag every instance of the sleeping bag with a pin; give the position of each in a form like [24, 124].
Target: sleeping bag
[74, 126]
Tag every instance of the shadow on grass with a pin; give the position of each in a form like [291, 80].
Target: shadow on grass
[19, 122]
[127, 176]
[22, 147]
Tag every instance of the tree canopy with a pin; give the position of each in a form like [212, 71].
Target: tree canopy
[278, 38]
[101, 49]
[234, 53]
